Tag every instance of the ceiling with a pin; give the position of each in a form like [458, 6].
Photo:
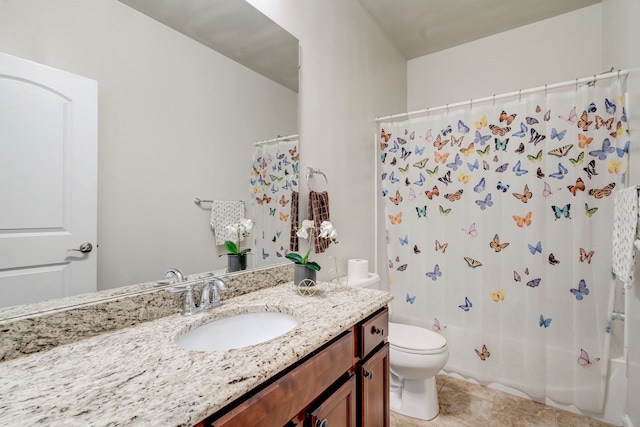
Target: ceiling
[417, 27]
[233, 28]
[421, 27]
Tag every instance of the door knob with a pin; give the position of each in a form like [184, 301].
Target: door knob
[85, 247]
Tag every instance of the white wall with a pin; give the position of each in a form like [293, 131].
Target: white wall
[550, 51]
[176, 121]
[350, 74]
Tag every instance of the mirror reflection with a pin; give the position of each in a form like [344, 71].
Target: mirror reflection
[176, 121]
[274, 184]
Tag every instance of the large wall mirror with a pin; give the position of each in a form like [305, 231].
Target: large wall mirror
[185, 88]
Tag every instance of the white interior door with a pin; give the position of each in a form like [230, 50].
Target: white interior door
[48, 182]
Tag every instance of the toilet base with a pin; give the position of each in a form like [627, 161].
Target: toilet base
[414, 398]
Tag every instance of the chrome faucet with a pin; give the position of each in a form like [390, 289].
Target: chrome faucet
[208, 299]
[210, 293]
[174, 272]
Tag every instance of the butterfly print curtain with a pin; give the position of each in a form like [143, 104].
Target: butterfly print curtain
[499, 225]
[274, 183]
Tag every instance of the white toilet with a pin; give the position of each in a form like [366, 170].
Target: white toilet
[416, 356]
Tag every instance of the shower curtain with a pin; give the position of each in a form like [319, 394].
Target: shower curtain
[499, 225]
[274, 187]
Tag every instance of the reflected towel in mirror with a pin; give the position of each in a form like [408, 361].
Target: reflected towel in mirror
[223, 214]
[293, 236]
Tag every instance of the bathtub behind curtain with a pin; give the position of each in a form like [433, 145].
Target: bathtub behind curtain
[274, 179]
[499, 221]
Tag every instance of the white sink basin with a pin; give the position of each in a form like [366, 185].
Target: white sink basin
[237, 331]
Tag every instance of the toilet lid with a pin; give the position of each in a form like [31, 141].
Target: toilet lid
[415, 339]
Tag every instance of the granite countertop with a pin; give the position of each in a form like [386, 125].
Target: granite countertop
[139, 376]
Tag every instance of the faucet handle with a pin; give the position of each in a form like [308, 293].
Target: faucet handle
[189, 303]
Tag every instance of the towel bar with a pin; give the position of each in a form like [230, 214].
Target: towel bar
[198, 201]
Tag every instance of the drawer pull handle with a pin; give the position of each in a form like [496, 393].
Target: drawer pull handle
[377, 331]
[368, 374]
[322, 423]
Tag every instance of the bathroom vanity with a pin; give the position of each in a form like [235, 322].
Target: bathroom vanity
[345, 383]
[332, 366]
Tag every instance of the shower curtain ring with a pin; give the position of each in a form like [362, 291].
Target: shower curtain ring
[619, 74]
[576, 84]
[494, 99]
[545, 90]
[471, 104]
[447, 108]
[519, 95]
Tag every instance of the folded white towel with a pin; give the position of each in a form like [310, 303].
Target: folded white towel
[223, 214]
[625, 223]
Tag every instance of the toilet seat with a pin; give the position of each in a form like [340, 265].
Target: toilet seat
[415, 340]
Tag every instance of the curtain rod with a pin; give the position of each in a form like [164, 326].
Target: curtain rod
[280, 138]
[576, 82]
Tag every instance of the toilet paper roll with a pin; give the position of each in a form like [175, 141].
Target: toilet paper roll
[357, 269]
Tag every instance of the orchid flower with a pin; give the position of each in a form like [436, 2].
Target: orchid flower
[242, 228]
[303, 232]
[326, 231]
[246, 225]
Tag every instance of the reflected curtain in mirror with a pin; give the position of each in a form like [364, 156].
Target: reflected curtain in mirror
[274, 187]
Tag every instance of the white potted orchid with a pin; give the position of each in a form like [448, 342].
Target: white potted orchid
[237, 257]
[304, 268]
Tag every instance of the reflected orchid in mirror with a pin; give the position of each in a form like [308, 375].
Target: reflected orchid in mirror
[326, 231]
[241, 230]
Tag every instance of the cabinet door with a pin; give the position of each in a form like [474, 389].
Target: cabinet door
[374, 380]
[290, 394]
[337, 410]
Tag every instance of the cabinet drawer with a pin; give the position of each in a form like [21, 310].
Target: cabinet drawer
[280, 401]
[337, 409]
[372, 332]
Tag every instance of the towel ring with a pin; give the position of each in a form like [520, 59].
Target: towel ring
[312, 172]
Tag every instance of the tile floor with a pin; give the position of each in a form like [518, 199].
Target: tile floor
[463, 403]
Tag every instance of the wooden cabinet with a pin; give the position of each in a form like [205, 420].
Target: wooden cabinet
[373, 370]
[373, 404]
[372, 332]
[291, 393]
[345, 383]
[338, 409]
